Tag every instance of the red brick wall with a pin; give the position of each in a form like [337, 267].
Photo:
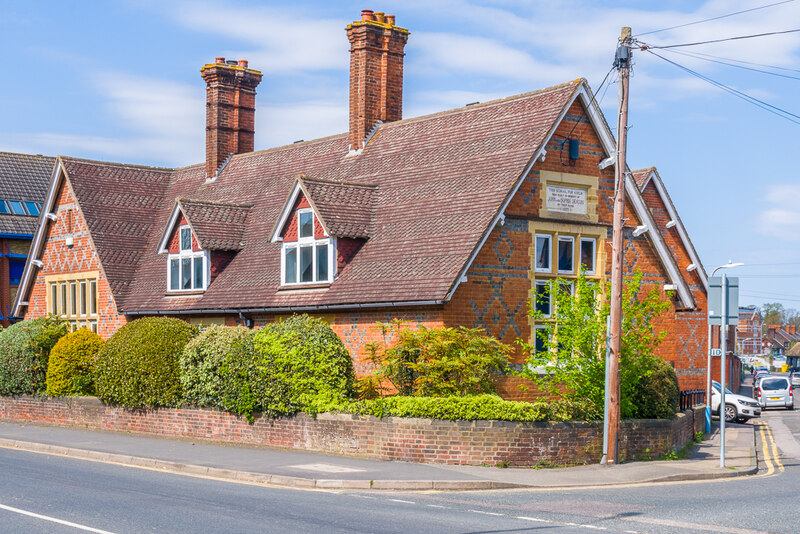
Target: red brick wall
[175, 238]
[60, 259]
[390, 438]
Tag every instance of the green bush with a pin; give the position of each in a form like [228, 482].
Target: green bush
[457, 408]
[658, 393]
[69, 370]
[24, 351]
[301, 362]
[436, 362]
[138, 365]
[218, 369]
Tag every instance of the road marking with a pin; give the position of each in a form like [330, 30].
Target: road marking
[533, 519]
[401, 500]
[53, 520]
[436, 506]
[691, 526]
[768, 458]
[775, 455]
[485, 513]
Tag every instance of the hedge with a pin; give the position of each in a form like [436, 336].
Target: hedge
[24, 350]
[69, 370]
[138, 365]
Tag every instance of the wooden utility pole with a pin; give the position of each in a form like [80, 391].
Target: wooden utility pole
[623, 61]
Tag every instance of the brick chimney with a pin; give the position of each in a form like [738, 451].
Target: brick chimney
[376, 73]
[230, 110]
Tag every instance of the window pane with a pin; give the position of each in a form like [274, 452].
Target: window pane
[16, 207]
[306, 224]
[63, 308]
[306, 264]
[54, 299]
[4, 207]
[199, 263]
[538, 343]
[94, 326]
[587, 254]
[186, 273]
[543, 297]
[92, 297]
[83, 298]
[174, 274]
[565, 255]
[322, 263]
[73, 298]
[15, 269]
[33, 208]
[543, 252]
[290, 276]
[186, 239]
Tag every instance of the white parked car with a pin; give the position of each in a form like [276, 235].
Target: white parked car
[775, 391]
[738, 408]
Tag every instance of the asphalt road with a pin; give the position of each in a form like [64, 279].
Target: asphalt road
[97, 497]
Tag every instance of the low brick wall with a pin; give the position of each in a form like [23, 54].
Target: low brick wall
[390, 438]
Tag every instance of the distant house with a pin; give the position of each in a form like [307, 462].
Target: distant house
[455, 218]
[780, 339]
[749, 336]
[23, 186]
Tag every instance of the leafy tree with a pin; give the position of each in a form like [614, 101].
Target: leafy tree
[570, 362]
[773, 313]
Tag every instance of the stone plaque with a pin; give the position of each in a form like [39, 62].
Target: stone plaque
[566, 199]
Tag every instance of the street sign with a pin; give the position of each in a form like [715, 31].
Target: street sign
[715, 300]
[716, 352]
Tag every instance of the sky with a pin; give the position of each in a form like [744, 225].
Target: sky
[120, 81]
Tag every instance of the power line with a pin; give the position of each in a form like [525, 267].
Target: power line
[648, 46]
[696, 56]
[715, 18]
[756, 296]
[776, 67]
[735, 92]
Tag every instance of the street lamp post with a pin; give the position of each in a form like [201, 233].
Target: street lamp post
[723, 334]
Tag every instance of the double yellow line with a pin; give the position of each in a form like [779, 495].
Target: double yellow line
[770, 449]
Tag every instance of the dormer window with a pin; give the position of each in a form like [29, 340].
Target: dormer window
[308, 259]
[188, 268]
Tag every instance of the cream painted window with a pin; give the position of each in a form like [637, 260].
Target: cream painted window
[74, 298]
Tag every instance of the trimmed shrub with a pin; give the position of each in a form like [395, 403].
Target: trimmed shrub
[658, 393]
[218, 369]
[301, 363]
[69, 370]
[24, 351]
[138, 366]
[469, 408]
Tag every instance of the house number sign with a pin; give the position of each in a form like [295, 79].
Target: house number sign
[566, 199]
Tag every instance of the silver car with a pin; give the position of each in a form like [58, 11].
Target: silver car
[775, 391]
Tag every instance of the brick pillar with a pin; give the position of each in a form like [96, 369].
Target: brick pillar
[230, 110]
[376, 73]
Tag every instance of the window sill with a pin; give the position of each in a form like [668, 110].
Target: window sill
[186, 293]
[292, 287]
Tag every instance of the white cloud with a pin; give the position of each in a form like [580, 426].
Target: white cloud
[781, 220]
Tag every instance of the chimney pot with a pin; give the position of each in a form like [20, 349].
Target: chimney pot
[390, 20]
[231, 62]
[366, 14]
[243, 63]
[379, 16]
[220, 60]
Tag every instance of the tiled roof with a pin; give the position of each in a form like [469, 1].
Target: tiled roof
[640, 176]
[346, 208]
[17, 224]
[436, 182]
[25, 176]
[216, 225]
[119, 203]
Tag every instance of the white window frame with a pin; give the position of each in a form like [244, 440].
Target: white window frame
[192, 255]
[545, 283]
[313, 242]
[549, 267]
[593, 241]
[565, 238]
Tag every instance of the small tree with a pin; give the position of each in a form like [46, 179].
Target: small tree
[436, 362]
[570, 360]
[69, 370]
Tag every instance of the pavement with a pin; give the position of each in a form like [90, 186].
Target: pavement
[301, 469]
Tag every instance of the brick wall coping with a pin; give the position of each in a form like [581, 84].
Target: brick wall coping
[542, 443]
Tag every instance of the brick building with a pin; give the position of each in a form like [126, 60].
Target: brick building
[749, 334]
[455, 218]
[23, 186]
